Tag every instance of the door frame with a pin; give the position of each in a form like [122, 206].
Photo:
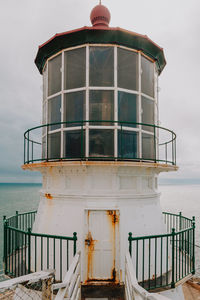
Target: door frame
[117, 245]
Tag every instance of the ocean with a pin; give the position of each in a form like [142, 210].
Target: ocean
[184, 197]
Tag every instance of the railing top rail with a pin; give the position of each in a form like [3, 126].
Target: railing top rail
[165, 142]
[100, 121]
[43, 234]
[177, 215]
[189, 227]
[20, 214]
[32, 233]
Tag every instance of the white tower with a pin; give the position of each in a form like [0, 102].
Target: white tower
[102, 148]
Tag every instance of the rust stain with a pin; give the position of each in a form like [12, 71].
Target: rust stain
[113, 221]
[90, 244]
[48, 196]
[111, 163]
[113, 218]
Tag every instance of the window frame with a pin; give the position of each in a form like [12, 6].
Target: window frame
[87, 88]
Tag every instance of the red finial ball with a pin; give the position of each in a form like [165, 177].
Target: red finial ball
[100, 16]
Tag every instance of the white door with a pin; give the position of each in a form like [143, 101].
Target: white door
[101, 244]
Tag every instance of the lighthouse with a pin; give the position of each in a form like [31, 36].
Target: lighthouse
[100, 151]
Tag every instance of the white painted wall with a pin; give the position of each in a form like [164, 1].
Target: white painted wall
[69, 191]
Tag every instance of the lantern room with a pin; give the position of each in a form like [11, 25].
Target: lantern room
[100, 93]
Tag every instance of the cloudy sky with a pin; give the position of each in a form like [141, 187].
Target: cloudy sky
[25, 24]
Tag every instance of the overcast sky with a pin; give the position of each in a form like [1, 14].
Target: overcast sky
[25, 24]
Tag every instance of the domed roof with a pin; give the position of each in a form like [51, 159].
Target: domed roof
[100, 16]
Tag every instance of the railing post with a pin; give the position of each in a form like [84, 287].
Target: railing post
[47, 143]
[5, 244]
[172, 150]
[121, 147]
[16, 233]
[28, 149]
[180, 220]
[173, 258]
[82, 156]
[29, 250]
[32, 151]
[75, 239]
[24, 149]
[175, 151]
[155, 143]
[193, 255]
[130, 242]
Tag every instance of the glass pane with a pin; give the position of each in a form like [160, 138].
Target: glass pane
[54, 112]
[101, 143]
[44, 147]
[54, 146]
[74, 144]
[45, 83]
[101, 66]
[127, 108]
[127, 144]
[75, 68]
[74, 108]
[127, 69]
[148, 150]
[44, 118]
[54, 75]
[101, 106]
[147, 113]
[147, 77]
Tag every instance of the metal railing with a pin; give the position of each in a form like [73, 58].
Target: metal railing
[132, 289]
[165, 259]
[26, 251]
[70, 288]
[160, 142]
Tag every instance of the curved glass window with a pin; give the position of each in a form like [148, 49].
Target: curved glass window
[101, 96]
[74, 144]
[101, 142]
[54, 145]
[54, 112]
[54, 75]
[75, 68]
[127, 108]
[148, 146]
[147, 113]
[45, 84]
[101, 106]
[127, 68]
[101, 66]
[74, 108]
[147, 76]
[127, 144]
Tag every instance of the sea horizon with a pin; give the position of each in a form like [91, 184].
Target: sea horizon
[176, 195]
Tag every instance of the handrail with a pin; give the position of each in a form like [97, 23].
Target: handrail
[70, 288]
[26, 251]
[132, 289]
[163, 260]
[169, 157]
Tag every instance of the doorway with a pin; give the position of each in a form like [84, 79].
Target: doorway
[102, 245]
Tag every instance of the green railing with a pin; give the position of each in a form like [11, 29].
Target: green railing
[26, 251]
[128, 141]
[163, 260]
